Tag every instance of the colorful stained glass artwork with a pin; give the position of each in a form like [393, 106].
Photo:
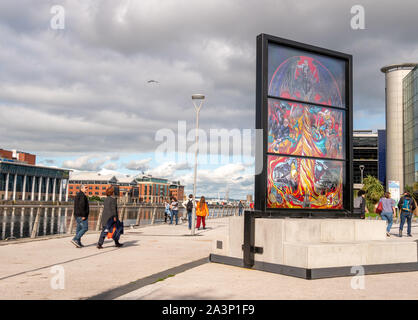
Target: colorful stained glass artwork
[300, 75]
[304, 183]
[305, 130]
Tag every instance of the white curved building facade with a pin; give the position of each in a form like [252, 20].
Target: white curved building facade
[394, 75]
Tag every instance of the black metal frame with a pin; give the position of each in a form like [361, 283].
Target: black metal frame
[260, 192]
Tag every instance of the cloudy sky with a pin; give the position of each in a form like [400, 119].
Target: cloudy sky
[79, 97]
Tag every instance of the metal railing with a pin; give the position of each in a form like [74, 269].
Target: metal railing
[31, 221]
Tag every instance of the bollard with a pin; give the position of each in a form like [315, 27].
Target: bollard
[70, 228]
[3, 233]
[45, 220]
[65, 221]
[22, 221]
[99, 218]
[153, 215]
[12, 224]
[30, 220]
[123, 214]
[59, 219]
[138, 218]
[223, 211]
[35, 227]
[52, 220]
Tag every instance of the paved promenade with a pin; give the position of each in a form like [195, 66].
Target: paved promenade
[165, 262]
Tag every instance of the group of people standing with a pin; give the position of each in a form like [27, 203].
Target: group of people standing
[202, 211]
[387, 207]
[171, 210]
[112, 227]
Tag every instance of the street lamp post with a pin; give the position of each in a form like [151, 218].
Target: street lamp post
[195, 98]
[361, 172]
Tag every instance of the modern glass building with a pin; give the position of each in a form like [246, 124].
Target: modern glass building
[381, 147]
[369, 156]
[20, 181]
[410, 128]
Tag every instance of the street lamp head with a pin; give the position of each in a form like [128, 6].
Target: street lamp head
[198, 96]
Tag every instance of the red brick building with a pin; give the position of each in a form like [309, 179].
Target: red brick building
[130, 189]
[177, 190]
[24, 157]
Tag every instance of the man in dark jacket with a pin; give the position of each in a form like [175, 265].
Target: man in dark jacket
[81, 213]
[406, 207]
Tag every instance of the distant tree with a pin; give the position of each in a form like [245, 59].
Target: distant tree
[374, 191]
[411, 191]
[95, 198]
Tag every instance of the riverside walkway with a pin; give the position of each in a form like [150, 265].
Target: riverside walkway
[164, 262]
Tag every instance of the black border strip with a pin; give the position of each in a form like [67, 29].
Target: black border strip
[260, 191]
[316, 273]
[306, 102]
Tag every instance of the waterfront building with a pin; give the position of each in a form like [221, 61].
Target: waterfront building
[152, 189]
[177, 190]
[27, 182]
[96, 183]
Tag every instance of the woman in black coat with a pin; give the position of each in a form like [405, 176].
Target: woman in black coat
[110, 211]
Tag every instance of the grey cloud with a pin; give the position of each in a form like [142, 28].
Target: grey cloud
[84, 89]
[138, 165]
[84, 163]
[111, 166]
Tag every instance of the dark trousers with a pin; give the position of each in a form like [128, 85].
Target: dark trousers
[408, 217]
[103, 236]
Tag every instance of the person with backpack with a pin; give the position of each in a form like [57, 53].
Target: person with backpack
[360, 204]
[406, 206]
[189, 209]
[388, 210]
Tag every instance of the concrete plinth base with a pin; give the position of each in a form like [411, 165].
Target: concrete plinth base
[317, 248]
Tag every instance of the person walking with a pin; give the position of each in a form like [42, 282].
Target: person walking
[201, 212]
[360, 204]
[109, 218]
[81, 213]
[388, 210]
[167, 212]
[174, 206]
[189, 209]
[240, 207]
[406, 207]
